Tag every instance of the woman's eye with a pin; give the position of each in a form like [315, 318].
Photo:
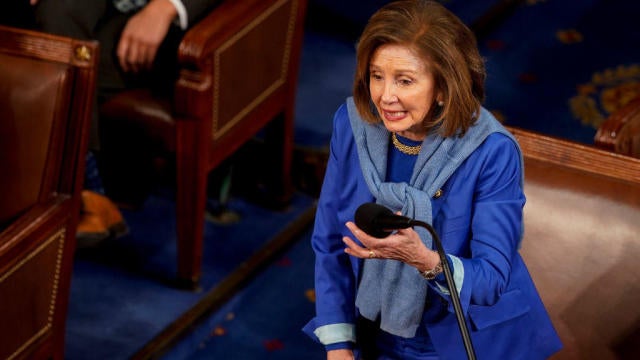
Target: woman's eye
[404, 82]
[376, 76]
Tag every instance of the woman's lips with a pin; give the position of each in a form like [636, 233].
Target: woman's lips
[394, 115]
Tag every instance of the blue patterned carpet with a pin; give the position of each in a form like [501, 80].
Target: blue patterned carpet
[263, 321]
[561, 67]
[556, 67]
[121, 295]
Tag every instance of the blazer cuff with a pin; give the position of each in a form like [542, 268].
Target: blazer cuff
[336, 333]
[458, 276]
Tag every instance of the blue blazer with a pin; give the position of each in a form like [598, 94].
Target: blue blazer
[479, 220]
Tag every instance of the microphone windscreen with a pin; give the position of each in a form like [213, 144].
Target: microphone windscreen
[366, 218]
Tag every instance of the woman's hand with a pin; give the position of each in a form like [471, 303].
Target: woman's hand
[340, 354]
[404, 245]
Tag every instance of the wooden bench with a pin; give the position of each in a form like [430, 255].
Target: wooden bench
[582, 244]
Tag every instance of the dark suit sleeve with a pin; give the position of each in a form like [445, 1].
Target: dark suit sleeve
[197, 9]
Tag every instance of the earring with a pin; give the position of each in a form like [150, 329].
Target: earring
[440, 103]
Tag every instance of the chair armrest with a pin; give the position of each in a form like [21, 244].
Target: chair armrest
[221, 24]
[620, 132]
[196, 54]
[577, 156]
[240, 55]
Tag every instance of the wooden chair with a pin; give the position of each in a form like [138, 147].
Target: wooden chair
[46, 94]
[581, 244]
[237, 73]
[620, 132]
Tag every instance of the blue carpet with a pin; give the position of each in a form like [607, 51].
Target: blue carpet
[120, 294]
[326, 71]
[561, 67]
[262, 321]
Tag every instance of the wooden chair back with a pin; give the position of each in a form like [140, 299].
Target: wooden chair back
[46, 94]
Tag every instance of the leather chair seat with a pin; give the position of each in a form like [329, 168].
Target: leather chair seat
[140, 110]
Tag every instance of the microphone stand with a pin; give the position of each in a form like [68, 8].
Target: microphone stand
[464, 331]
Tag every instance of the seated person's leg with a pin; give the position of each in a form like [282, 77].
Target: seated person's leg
[127, 159]
[100, 218]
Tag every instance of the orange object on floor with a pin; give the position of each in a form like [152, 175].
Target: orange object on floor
[100, 219]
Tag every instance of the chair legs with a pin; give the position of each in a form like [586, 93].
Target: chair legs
[279, 141]
[190, 202]
[191, 193]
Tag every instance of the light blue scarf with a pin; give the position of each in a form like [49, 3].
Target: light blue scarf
[390, 289]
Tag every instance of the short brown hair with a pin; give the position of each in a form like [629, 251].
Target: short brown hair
[442, 39]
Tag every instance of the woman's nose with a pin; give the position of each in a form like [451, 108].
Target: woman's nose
[388, 93]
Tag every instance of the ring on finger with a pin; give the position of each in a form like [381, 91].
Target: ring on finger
[372, 254]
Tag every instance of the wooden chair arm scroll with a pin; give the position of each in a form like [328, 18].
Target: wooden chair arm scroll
[620, 132]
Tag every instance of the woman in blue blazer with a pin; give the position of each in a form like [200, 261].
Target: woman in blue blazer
[416, 139]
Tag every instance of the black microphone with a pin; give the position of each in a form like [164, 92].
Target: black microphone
[379, 221]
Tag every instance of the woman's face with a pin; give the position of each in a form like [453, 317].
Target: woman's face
[402, 89]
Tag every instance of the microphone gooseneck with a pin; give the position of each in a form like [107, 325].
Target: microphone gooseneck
[379, 221]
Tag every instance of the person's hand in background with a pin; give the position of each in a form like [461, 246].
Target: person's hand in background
[143, 34]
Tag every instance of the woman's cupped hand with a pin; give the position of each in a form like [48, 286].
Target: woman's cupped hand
[403, 245]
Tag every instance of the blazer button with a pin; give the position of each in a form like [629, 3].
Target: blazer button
[437, 194]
